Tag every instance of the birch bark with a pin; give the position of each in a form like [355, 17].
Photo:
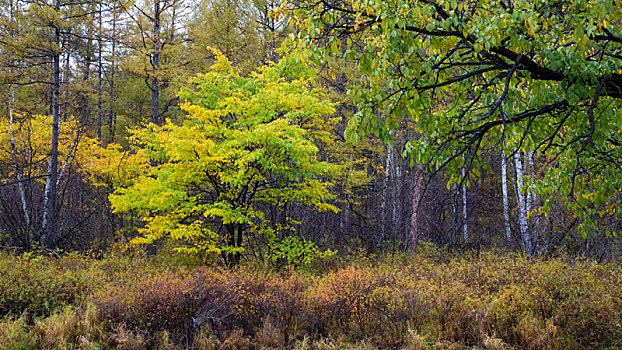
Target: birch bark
[414, 218]
[50, 215]
[522, 205]
[506, 207]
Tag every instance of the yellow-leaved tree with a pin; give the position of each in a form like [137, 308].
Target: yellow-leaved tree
[248, 144]
[24, 154]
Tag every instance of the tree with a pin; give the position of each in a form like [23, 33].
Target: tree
[158, 58]
[543, 76]
[229, 26]
[24, 163]
[247, 144]
[34, 39]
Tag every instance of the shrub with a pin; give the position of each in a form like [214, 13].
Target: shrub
[426, 302]
[151, 304]
[39, 285]
[360, 302]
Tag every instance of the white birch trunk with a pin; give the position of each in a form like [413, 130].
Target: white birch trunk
[522, 205]
[396, 195]
[414, 219]
[343, 223]
[385, 190]
[506, 207]
[49, 224]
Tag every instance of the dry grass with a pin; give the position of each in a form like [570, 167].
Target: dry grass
[490, 302]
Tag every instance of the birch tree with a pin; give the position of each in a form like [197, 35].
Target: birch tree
[506, 205]
[522, 202]
[36, 38]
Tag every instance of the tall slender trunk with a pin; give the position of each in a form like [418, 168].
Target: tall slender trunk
[238, 243]
[414, 218]
[506, 207]
[465, 232]
[343, 223]
[65, 77]
[532, 203]
[385, 190]
[50, 214]
[155, 63]
[89, 59]
[455, 191]
[113, 57]
[522, 205]
[234, 240]
[99, 76]
[397, 202]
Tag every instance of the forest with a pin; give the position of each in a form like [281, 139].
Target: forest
[310, 174]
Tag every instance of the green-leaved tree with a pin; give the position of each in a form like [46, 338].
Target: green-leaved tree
[541, 78]
[248, 143]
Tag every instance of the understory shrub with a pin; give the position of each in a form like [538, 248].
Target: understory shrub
[424, 302]
[38, 286]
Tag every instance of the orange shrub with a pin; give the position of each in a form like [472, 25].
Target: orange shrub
[506, 301]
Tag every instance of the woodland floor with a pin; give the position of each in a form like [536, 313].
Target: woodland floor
[430, 301]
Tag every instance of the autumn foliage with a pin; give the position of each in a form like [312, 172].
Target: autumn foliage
[427, 301]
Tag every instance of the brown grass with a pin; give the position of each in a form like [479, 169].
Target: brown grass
[490, 302]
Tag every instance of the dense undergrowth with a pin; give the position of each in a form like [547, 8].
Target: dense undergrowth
[430, 301]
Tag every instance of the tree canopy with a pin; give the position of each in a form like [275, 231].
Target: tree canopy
[248, 142]
[510, 109]
[542, 76]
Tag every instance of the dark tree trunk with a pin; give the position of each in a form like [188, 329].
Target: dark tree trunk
[99, 77]
[112, 117]
[155, 63]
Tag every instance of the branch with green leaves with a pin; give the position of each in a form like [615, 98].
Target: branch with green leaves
[539, 76]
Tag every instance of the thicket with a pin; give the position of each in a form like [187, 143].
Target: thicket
[432, 300]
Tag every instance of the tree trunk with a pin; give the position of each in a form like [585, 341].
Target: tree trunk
[155, 63]
[522, 205]
[414, 218]
[113, 57]
[234, 240]
[532, 203]
[397, 198]
[50, 214]
[465, 232]
[506, 207]
[343, 223]
[385, 190]
[99, 77]
[238, 244]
